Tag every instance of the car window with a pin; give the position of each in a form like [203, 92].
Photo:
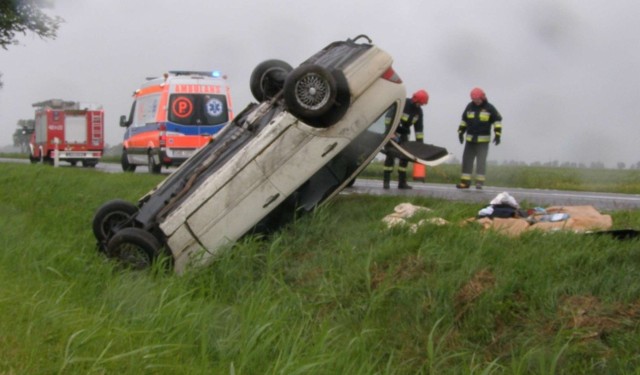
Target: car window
[379, 126]
[371, 138]
[198, 109]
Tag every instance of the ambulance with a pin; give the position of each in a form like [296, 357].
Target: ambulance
[173, 116]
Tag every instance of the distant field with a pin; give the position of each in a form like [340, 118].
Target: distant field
[335, 292]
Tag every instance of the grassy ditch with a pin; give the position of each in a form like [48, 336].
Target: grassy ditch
[333, 293]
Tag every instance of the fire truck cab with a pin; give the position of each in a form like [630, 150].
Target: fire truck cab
[172, 116]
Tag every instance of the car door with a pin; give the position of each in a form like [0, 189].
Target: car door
[347, 164]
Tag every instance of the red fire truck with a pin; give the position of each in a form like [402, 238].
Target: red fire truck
[74, 130]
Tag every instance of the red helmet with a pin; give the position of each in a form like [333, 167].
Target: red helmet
[477, 93]
[420, 97]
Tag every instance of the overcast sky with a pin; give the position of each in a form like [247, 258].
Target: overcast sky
[565, 74]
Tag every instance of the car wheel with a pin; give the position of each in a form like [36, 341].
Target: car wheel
[110, 217]
[135, 248]
[267, 79]
[340, 105]
[153, 166]
[309, 91]
[124, 160]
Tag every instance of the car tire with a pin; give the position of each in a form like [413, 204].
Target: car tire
[134, 248]
[124, 161]
[267, 79]
[110, 217]
[154, 167]
[310, 91]
[340, 105]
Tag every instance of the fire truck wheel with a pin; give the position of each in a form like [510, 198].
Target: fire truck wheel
[153, 166]
[110, 217]
[135, 248]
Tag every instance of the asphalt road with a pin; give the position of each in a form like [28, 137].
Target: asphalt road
[525, 197]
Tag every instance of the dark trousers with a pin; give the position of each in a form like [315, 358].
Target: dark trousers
[475, 152]
[390, 161]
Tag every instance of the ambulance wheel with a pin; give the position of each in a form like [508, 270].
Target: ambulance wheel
[124, 160]
[154, 167]
[111, 217]
[267, 79]
[135, 248]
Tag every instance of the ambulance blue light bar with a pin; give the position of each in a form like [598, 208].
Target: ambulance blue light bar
[214, 73]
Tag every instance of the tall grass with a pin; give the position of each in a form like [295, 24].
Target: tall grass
[335, 292]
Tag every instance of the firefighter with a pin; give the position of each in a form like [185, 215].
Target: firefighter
[411, 116]
[477, 120]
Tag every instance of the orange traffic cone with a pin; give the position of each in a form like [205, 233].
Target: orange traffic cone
[419, 172]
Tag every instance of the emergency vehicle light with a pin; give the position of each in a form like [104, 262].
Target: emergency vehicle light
[215, 73]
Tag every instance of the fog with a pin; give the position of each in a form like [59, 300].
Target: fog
[565, 75]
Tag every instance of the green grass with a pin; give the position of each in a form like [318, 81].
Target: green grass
[333, 293]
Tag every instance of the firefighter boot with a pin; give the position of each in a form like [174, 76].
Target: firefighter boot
[463, 184]
[402, 181]
[386, 180]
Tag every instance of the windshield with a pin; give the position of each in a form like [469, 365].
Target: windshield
[198, 109]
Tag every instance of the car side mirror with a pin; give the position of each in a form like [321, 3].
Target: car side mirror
[123, 121]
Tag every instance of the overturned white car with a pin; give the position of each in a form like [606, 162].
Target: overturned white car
[315, 128]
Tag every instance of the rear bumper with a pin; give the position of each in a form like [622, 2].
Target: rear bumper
[175, 156]
[78, 155]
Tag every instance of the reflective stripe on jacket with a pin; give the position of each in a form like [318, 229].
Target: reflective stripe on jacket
[477, 121]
